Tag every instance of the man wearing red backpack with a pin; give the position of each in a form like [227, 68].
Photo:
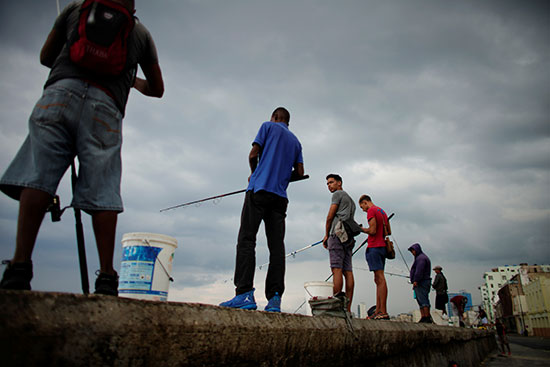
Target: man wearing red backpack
[80, 114]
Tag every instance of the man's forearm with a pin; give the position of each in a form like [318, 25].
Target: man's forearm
[253, 162]
[371, 229]
[330, 218]
[253, 156]
[327, 227]
[153, 84]
[142, 85]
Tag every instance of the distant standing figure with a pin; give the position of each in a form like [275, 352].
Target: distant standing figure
[440, 286]
[421, 281]
[275, 157]
[336, 240]
[378, 228]
[502, 337]
[482, 315]
[458, 303]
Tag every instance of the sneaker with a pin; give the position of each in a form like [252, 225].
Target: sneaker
[243, 301]
[17, 276]
[274, 304]
[106, 284]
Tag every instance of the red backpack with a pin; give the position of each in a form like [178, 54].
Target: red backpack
[100, 43]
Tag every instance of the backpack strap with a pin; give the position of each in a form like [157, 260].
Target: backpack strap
[386, 232]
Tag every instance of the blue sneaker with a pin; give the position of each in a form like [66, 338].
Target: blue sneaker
[244, 301]
[274, 304]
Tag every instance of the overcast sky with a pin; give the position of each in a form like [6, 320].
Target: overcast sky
[439, 110]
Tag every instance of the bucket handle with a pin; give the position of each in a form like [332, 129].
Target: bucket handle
[146, 241]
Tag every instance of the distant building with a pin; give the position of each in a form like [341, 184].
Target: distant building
[494, 280]
[498, 277]
[362, 310]
[537, 294]
[512, 305]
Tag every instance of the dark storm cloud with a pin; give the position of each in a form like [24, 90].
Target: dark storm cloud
[438, 110]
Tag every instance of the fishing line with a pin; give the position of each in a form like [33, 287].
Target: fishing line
[400, 253]
[293, 253]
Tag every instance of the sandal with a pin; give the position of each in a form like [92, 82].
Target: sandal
[381, 316]
[373, 316]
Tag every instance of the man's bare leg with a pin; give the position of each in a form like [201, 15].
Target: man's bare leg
[104, 223]
[33, 204]
[350, 284]
[381, 291]
[337, 280]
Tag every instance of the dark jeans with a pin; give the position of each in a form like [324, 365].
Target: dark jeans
[270, 208]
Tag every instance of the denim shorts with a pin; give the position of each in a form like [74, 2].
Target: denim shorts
[376, 258]
[340, 253]
[72, 118]
[422, 293]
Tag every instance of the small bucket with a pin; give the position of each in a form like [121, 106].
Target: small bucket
[146, 266]
[316, 289]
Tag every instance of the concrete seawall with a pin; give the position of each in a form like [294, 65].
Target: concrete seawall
[58, 329]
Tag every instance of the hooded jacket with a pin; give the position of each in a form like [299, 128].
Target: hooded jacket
[421, 268]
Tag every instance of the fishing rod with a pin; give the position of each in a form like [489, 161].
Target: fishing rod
[293, 253]
[56, 213]
[304, 177]
[354, 252]
[385, 272]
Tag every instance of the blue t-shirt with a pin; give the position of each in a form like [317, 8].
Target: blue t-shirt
[281, 150]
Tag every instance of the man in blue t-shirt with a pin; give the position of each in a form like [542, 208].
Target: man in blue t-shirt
[275, 158]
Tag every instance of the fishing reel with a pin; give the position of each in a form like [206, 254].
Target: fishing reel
[55, 209]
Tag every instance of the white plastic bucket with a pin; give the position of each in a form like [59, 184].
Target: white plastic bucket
[316, 289]
[146, 266]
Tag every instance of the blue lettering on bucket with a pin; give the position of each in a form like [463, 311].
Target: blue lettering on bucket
[137, 269]
[140, 253]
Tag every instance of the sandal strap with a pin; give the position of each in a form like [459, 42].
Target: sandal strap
[371, 317]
